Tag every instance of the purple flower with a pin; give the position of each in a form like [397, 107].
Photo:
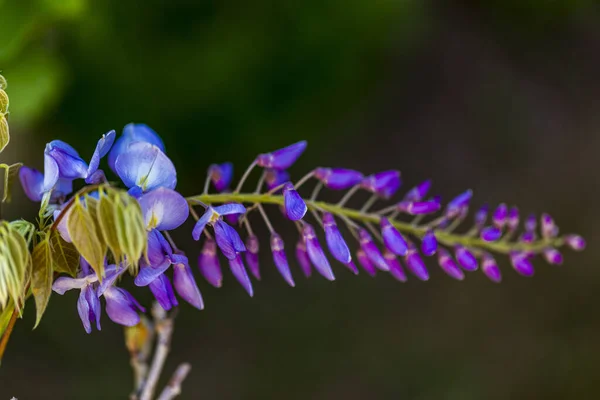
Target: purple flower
[513, 218]
[383, 184]
[133, 133]
[465, 258]
[575, 242]
[491, 234]
[352, 267]
[521, 264]
[208, 262]
[481, 216]
[252, 255]
[280, 259]
[62, 161]
[548, 227]
[184, 282]
[163, 209]
[371, 250]
[228, 239]
[295, 208]
[221, 175]
[553, 256]
[449, 266]
[429, 243]
[459, 203]
[160, 258]
[500, 216]
[32, 182]
[315, 252]
[88, 304]
[365, 262]
[163, 292]
[415, 264]
[239, 271]
[275, 177]
[392, 238]
[338, 178]
[418, 192]
[490, 268]
[420, 207]
[143, 167]
[122, 307]
[282, 158]
[394, 265]
[335, 242]
[303, 259]
[530, 223]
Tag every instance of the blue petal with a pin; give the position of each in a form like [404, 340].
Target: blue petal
[282, 158]
[208, 262]
[201, 223]
[184, 282]
[338, 178]
[51, 173]
[316, 254]
[335, 242]
[133, 133]
[295, 207]
[231, 208]
[228, 240]
[146, 166]
[163, 292]
[239, 271]
[163, 209]
[64, 283]
[221, 175]
[429, 244]
[120, 307]
[32, 182]
[83, 308]
[392, 238]
[70, 165]
[280, 259]
[102, 147]
[149, 273]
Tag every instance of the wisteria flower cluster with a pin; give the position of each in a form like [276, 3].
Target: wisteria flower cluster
[90, 239]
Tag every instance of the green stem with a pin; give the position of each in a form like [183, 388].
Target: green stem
[445, 238]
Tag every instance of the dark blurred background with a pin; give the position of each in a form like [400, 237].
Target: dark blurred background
[498, 96]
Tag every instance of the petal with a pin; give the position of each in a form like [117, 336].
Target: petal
[295, 207]
[102, 147]
[62, 225]
[228, 240]
[158, 248]
[316, 254]
[303, 259]
[481, 216]
[460, 202]
[282, 158]
[133, 133]
[418, 192]
[93, 304]
[32, 182]
[530, 223]
[392, 238]
[416, 266]
[521, 263]
[185, 285]
[280, 259]
[513, 218]
[120, 308]
[338, 178]
[465, 258]
[164, 209]
[395, 267]
[422, 207]
[163, 292]
[335, 242]
[208, 262]
[490, 268]
[365, 262]
[70, 165]
[384, 184]
[548, 227]
[111, 274]
[202, 222]
[83, 309]
[231, 208]
[449, 266]
[500, 215]
[252, 255]
[221, 175]
[371, 250]
[145, 165]
[553, 256]
[239, 271]
[575, 242]
[429, 244]
[64, 283]
[51, 173]
[491, 234]
[148, 274]
[275, 177]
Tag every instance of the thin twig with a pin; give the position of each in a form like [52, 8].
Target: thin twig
[173, 389]
[8, 331]
[164, 329]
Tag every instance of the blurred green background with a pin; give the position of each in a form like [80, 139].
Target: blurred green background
[498, 96]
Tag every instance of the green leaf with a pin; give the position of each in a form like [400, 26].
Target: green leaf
[4, 136]
[107, 220]
[15, 263]
[10, 173]
[65, 257]
[44, 211]
[4, 102]
[3, 83]
[5, 315]
[41, 278]
[84, 235]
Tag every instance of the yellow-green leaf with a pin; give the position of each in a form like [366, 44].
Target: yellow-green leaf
[106, 213]
[4, 136]
[10, 173]
[5, 315]
[65, 257]
[3, 83]
[15, 263]
[41, 278]
[84, 235]
[3, 102]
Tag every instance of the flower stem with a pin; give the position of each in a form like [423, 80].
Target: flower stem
[446, 238]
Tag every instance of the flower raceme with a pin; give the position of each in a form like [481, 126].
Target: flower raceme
[396, 238]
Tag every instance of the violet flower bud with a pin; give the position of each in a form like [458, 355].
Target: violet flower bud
[163, 292]
[418, 192]
[465, 258]
[383, 184]
[530, 223]
[338, 178]
[548, 227]
[394, 265]
[575, 242]
[252, 255]
[365, 262]
[295, 207]
[239, 271]
[184, 282]
[315, 252]
[221, 175]
[280, 259]
[275, 177]
[521, 264]
[491, 234]
[429, 243]
[490, 268]
[460, 202]
[122, 307]
[513, 219]
[553, 256]
[449, 266]
[303, 259]
[371, 250]
[415, 264]
[282, 158]
[421, 207]
[500, 216]
[392, 238]
[208, 262]
[481, 216]
[335, 242]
